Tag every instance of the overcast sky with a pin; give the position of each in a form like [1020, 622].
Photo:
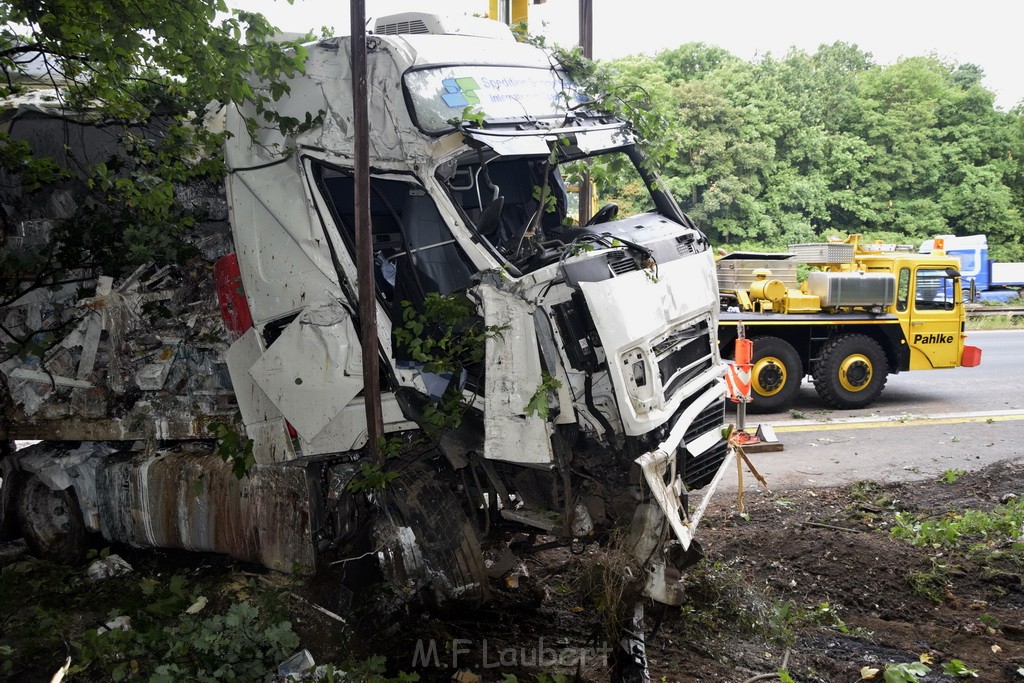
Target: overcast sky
[983, 32]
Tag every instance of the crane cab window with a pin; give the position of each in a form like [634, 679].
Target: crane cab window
[903, 290]
[933, 291]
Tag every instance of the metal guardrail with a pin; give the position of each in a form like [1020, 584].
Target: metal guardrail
[986, 311]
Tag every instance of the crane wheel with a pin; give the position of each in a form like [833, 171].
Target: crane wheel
[851, 371]
[775, 376]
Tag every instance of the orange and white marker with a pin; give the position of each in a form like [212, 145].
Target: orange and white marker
[737, 377]
[737, 382]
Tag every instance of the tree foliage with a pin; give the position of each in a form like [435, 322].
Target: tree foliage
[793, 149]
[144, 75]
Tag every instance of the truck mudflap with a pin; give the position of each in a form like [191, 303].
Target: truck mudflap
[659, 466]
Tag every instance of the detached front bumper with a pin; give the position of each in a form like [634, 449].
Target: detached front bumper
[660, 469]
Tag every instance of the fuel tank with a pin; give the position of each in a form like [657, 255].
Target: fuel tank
[857, 288]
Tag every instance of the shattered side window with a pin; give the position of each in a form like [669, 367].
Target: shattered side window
[415, 252]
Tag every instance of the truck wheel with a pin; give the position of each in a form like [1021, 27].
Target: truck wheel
[51, 521]
[428, 545]
[775, 376]
[8, 499]
[851, 371]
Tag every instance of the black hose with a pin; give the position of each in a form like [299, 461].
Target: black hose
[588, 391]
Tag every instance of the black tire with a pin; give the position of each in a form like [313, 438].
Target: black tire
[775, 376]
[449, 572]
[851, 371]
[9, 485]
[51, 521]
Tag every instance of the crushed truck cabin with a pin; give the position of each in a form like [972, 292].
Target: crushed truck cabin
[586, 389]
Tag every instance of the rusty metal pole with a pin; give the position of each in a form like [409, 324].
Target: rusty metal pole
[364, 245]
[587, 43]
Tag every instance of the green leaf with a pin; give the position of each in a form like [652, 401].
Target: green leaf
[905, 673]
[956, 667]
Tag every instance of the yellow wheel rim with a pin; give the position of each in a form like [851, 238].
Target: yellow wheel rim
[855, 372]
[768, 376]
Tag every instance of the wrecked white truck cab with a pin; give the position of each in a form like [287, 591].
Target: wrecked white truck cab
[610, 325]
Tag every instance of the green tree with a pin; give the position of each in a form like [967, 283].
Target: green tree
[149, 71]
[793, 149]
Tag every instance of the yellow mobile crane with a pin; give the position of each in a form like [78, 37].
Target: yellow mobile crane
[865, 311]
[511, 12]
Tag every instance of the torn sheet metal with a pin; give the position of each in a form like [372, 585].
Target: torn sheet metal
[189, 499]
[313, 369]
[157, 331]
[264, 423]
[527, 143]
[347, 431]
[282, 252]
[512, 377]
[646, 543]
[659, 468]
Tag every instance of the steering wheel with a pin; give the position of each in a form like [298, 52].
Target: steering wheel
[606, 213]
[490, 219]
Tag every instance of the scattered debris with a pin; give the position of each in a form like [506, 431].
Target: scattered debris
[197, 606]
[322, 610]
[297, 667]
[516, 574]
[61, 672]
[146, 346]
[12, 551]
[499, 561]
[108, 567]
[120, 623]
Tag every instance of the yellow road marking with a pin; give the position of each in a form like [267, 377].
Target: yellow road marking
[896, 423]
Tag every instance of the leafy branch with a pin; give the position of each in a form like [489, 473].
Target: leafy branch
[539, 403]
[233, 447]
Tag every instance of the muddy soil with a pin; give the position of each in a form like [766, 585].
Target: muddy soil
[809, 578]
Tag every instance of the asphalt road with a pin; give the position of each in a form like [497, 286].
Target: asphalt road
[924, 423]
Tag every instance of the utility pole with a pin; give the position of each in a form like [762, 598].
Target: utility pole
[587, 43]
[364, 242]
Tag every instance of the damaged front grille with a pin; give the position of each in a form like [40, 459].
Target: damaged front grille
[697, 471]
[683, 356]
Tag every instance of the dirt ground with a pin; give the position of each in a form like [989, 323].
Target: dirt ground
[809, 581]
[811, 577]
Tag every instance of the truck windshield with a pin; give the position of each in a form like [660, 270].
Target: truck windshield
[527, 207]
[439, 95]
